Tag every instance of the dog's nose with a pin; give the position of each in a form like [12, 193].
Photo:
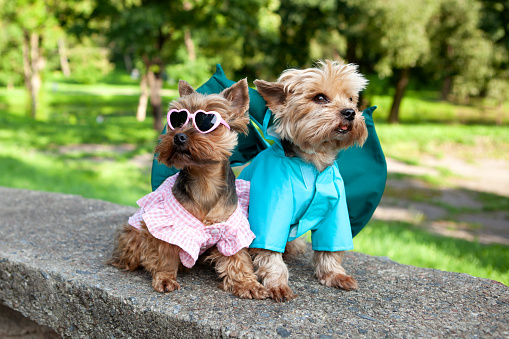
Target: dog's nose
[348, 113]
[180, 139]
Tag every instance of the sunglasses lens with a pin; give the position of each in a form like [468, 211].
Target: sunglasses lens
[177, 119]
[205, 121]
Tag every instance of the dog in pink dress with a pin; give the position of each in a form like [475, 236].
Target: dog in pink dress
[202, 210]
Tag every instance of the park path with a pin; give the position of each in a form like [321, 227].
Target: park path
[461, 205]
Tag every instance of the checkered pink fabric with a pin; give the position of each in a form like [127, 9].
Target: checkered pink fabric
[169, 221]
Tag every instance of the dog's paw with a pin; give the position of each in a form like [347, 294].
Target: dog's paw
[251, 290]
[281, 293]
[164, 282]
[339, 280]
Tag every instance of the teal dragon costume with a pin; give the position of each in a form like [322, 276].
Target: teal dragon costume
[342, 198]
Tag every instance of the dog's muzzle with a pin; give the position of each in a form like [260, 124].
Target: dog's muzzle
[179, 139]
[348, 113]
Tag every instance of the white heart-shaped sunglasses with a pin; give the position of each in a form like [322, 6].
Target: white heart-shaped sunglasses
[203, 122]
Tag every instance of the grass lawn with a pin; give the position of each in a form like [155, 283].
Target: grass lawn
[410, 245]
[32, 156]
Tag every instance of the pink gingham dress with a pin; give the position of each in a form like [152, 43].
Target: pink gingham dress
[169, 221]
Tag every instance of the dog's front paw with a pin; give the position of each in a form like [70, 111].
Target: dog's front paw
[164, 282]
[281, 293]
[249, 290]
[339, 280]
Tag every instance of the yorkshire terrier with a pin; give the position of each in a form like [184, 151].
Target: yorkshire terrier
[202, 208]
[295, 184]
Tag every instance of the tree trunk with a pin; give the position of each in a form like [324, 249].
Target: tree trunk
[155, 83]
[446, 88]
[188, 40]
[128, 63]
[398, 96]
[33, 63]
[189, 45]
[351, 51]
[141, 113]
[64, 63]
[27, 69]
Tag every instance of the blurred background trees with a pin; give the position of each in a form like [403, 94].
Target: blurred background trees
[458, 47]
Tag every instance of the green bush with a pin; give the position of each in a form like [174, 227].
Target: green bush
[195, 72]
[89, 64]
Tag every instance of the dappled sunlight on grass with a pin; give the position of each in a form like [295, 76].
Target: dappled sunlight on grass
[22, 131]
[412, 141]
[118, 182]
[425, 107]
[407, 244]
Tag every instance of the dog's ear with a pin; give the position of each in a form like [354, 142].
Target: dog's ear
[185, 88]
[238, 96]
[273, 92]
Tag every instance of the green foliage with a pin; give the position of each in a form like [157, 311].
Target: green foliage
[494, 22]
[462, 45]
[460, 49]
[88, 62]
[11, 66]
[397, 31]
[425, 107]
[195, 72]
[498, 89]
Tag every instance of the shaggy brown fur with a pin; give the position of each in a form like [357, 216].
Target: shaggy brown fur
[316, 116]
[205, 187]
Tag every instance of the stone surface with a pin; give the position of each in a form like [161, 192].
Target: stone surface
[53, 250]
[13, 325]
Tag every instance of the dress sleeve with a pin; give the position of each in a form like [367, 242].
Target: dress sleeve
[151, 201]
[153, 210]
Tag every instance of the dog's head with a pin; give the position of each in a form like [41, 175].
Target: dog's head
[202, 129]
[316, 108]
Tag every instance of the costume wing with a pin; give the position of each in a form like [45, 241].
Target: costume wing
[364, 172]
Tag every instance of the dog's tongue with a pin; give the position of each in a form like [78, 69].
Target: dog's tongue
[344, 128]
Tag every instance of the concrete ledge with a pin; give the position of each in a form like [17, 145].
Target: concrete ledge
[52, 253]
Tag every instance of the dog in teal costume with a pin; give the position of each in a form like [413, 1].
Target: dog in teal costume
[296, 184]
[363, 171]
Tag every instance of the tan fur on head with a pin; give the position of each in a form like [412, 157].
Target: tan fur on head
[317, 127]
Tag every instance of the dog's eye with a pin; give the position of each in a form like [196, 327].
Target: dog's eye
[321, 99]
[351, 99]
